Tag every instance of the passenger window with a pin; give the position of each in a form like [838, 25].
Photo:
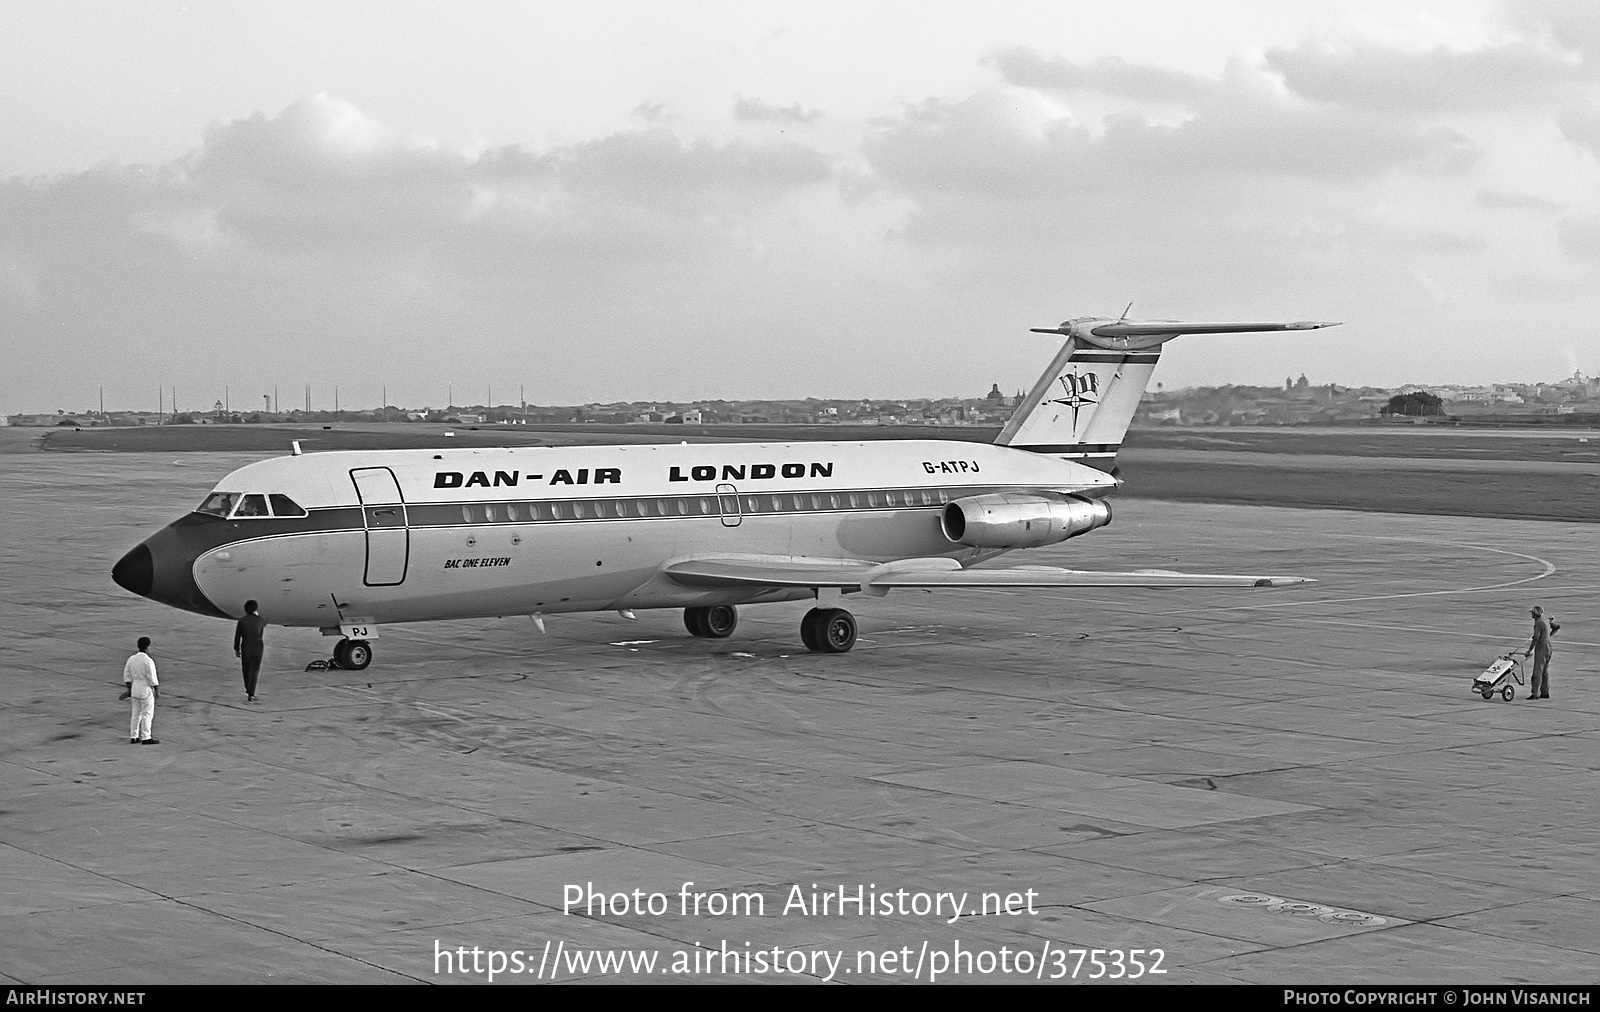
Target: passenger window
[218, 504]
[874, 499]
[578, 511]
[644, 506]
[889, 499]
[466, 514]
[855, 501]
[488, 514]
[705, 508]
[683, 507]
[252, 506]
[834, 500]
[799, 503]
[556, 513]
[600, 508]
[777, 504]
[283, 506]
[752, 504]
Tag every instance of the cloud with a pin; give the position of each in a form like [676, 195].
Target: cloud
[1569, 24]
[283, 235]
[1110, 75]
[1512, 201]
[654, 168]
[988, 145]
[1580, 124]
[1367, 75]
[1580, 238]
[753, 110]
[652, 112]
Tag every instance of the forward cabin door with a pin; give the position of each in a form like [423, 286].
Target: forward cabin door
[728, 505]
[383, 509]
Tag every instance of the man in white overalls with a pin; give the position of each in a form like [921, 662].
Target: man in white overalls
[139, 674]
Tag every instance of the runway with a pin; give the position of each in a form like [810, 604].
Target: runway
[1288, 786]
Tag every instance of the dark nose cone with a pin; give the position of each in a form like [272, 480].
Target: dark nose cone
[135, 571]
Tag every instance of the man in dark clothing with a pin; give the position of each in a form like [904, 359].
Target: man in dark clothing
[248, 646]
[1539, 647]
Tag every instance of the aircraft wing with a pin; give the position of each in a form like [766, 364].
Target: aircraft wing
[928, 574]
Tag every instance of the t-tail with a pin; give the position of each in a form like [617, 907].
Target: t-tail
[1082, 405]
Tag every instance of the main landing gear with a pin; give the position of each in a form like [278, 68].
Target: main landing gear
[352, 655]
[715, 622]
[828, 630]
[824, 630]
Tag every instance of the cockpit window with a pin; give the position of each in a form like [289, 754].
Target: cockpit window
[252, 506]
[218, 504]
[283, 506]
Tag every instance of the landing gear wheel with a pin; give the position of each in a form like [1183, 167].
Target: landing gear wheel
[721, 620]
[808, 629]
[353, 655]
[694, 620]
[838, 631]
[1507, 693]
[828, 630]
[1486, 693]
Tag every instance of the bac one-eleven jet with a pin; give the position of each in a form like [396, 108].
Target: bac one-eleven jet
[349, 541]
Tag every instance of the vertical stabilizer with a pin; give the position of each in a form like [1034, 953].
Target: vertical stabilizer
[1083, 403]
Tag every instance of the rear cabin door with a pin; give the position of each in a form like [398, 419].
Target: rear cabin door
[383, 510]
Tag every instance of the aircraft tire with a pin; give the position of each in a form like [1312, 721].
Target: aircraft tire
[357, 655]
[694, 620]
[808, 630]
[338, 653]
[836, 631]
[719, 620]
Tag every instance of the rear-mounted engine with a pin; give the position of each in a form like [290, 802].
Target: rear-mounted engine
[1012, 520]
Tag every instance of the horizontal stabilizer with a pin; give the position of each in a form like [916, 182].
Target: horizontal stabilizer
[929, 574]
[1173, 328]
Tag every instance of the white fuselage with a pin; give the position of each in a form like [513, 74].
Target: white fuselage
[461, 533]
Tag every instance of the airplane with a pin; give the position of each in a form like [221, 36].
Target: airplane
[349, 541]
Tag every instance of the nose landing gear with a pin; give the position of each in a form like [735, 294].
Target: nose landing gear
[352, 655]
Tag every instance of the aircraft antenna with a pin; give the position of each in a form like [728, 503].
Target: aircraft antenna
[1125, 313]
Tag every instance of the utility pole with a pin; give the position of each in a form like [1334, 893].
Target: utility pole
[386, 402]
[522, 395]
[227, 405]
[450, 395]
[102, 402]
[274, 398]
[160, 403]
[336, 399]
[308, 398]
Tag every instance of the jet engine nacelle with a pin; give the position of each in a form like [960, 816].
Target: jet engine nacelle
[1011, 520]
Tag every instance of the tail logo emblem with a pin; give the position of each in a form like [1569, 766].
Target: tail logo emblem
[1081, 392]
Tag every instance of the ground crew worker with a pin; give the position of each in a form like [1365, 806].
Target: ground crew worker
[1539, 647]
[248, 646]
[139, 675]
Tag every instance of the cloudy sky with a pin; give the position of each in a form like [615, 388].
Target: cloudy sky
[605, 201]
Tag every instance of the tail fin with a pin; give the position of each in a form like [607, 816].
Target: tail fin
[1081, 406]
